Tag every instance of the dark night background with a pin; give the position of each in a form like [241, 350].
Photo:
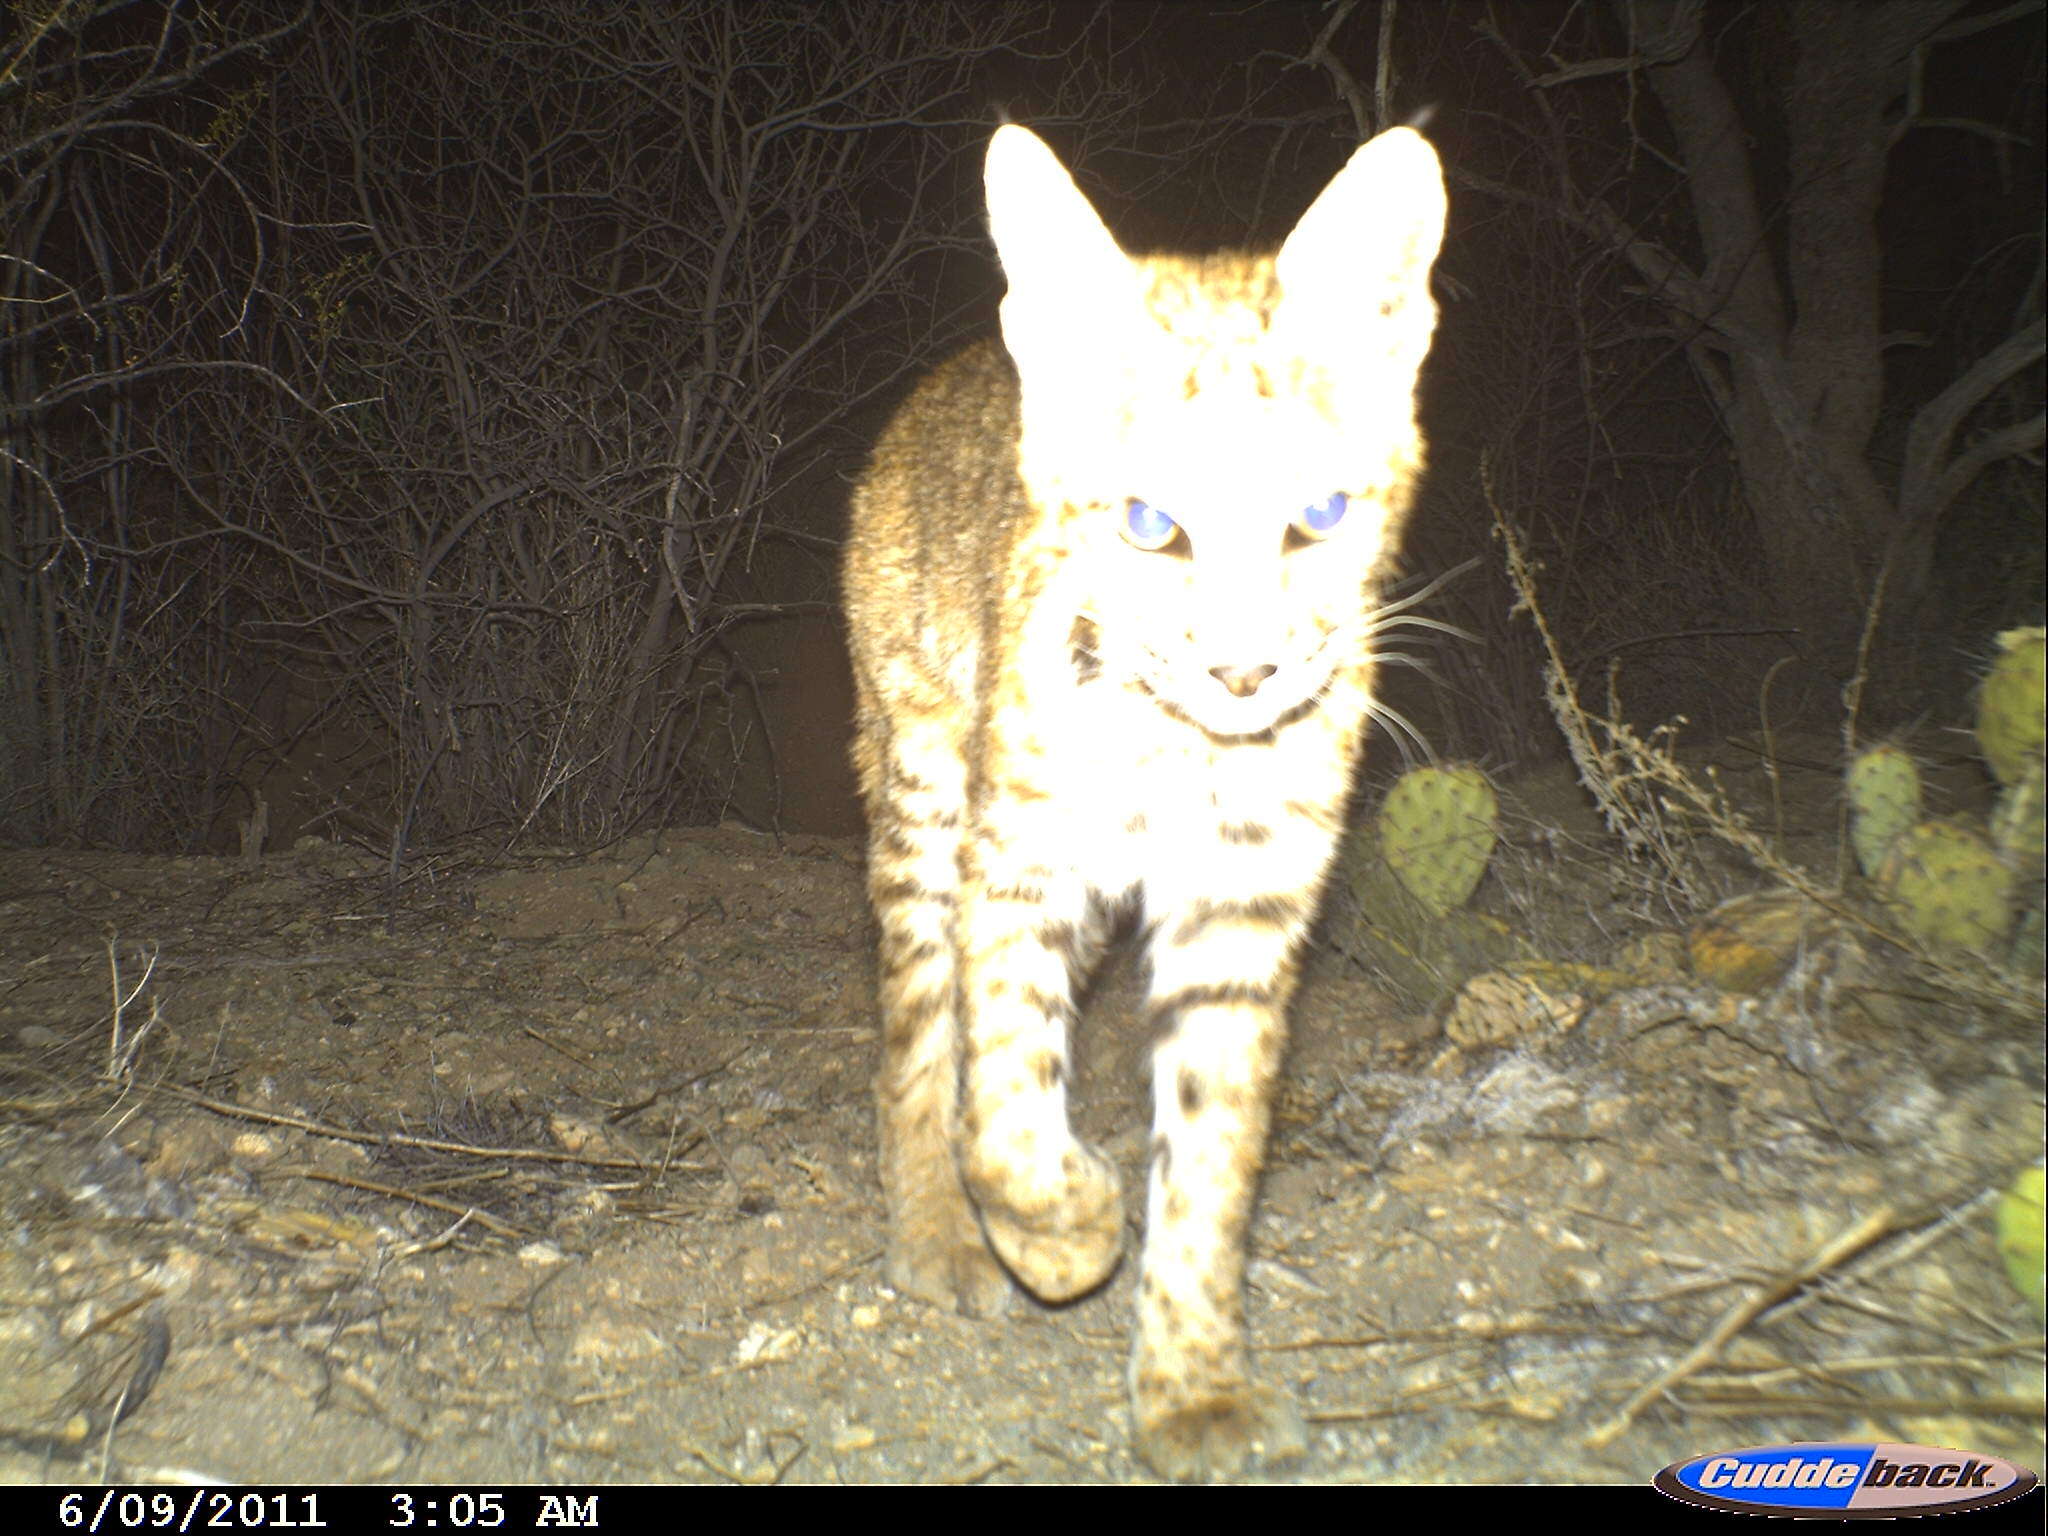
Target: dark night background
[435, 420]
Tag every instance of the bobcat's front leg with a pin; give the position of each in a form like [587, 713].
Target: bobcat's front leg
[1051, 1205]
[915, 785]
[936, 1248]
[1199, 1413]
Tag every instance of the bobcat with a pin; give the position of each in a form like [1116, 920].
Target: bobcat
[1111, 600]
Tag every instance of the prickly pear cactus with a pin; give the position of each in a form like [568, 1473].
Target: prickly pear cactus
[2010, 730]
[1422, 955]
[1948, 887]
[1884, 800]
[1437, 830]
[2010, 726]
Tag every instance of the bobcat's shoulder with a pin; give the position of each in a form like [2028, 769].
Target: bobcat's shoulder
[1111, 594]
[951, 447]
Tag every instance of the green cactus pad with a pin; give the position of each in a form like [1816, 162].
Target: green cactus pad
[1437, 830]
[1948, 887]
[2021, 1242]
[2009, 705]
[1884, 800]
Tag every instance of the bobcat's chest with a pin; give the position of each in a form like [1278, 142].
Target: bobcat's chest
[1098, 778]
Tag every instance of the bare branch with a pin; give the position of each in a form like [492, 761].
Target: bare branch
[1931, 480]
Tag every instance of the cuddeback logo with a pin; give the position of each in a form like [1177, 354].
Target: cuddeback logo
[1845, 1480]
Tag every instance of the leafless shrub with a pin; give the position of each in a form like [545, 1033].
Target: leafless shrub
[422, 386]
[112, 675]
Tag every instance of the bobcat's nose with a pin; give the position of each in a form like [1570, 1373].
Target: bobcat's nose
[1242, 682]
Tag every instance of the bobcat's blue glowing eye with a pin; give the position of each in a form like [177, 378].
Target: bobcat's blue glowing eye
[1148, 527]
[1325, 514]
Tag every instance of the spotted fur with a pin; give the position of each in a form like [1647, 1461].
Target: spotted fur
[1058, 718]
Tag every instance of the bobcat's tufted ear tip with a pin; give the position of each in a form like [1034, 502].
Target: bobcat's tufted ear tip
[1069, 282]
[1026, 182]
[1014, 149]
[1401, 164]
[1407, 139]
[1381, 215]
[1404, 159]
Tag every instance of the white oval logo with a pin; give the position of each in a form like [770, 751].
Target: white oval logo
[1827, 1478]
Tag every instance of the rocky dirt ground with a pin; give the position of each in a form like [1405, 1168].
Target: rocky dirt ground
[562, 1170]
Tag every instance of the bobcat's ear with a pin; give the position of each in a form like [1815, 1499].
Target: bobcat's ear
[1358, 262]
[1068, 280]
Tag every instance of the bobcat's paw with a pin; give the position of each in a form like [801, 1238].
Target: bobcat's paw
[1218, 1434]
[955, 1271]
[1067, 1245]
